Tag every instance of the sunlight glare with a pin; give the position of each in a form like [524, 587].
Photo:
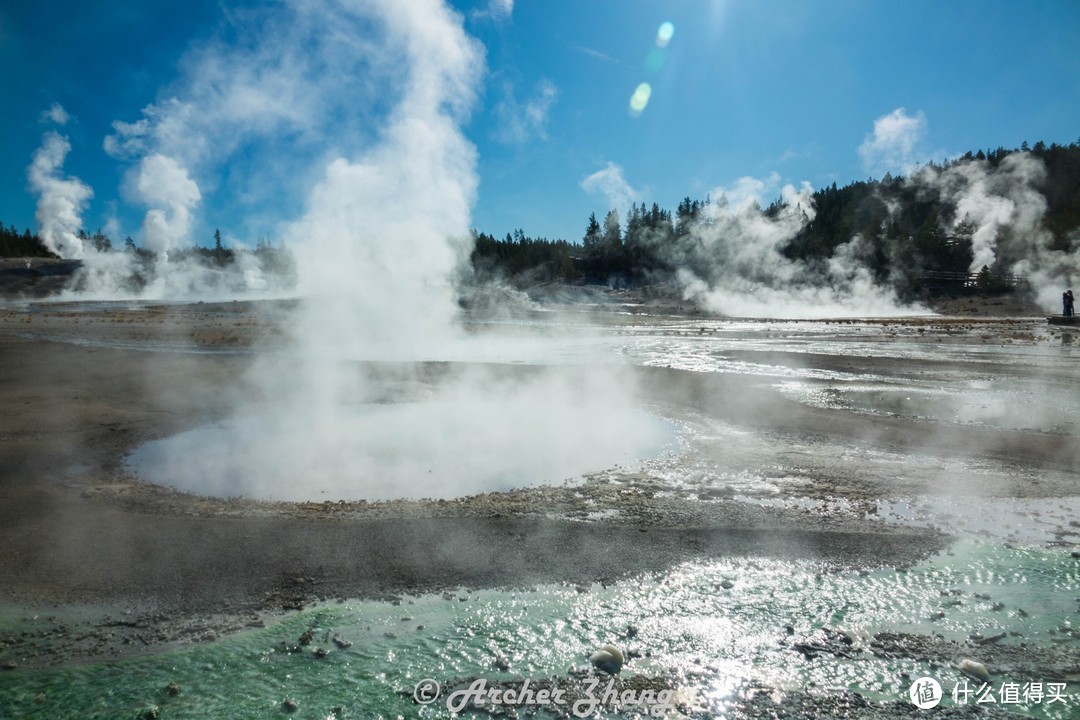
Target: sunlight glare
[663, 35]
[640, 99]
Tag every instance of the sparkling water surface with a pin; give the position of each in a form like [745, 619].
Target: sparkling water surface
[713, 628]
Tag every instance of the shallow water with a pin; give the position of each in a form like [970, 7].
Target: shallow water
[714, 629]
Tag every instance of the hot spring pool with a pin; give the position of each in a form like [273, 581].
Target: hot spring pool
[438, 449]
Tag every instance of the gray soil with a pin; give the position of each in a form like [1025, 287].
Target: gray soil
[108, 566]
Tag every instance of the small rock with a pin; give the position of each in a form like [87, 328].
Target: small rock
[172, 689]
[974, 669]
[290, 705]
[341, 642]
[608, 659]
[990, 638]
[307, 637]
[727, 584]
[321, 653]
[9, 665]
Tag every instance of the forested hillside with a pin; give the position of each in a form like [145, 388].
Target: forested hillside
[981, 209]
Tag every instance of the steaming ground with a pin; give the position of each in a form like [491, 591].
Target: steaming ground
[857, 444]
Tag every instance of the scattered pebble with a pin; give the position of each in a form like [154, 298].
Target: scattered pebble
[974, 669]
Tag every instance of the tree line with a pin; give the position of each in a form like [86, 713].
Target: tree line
[275, 260]
[25, 244]
[906, 231]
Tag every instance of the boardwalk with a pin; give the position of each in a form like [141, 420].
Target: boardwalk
[982, 281]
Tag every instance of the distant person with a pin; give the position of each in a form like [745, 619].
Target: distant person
[1067, 300]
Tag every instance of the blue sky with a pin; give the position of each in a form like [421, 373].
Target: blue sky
[783, 92]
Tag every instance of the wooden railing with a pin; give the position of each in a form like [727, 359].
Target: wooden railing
[941, 278]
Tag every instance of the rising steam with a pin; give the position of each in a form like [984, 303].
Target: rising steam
[385, 232]
[383, 235]
[61, 200]
[165, 186]
[733, 263]
[1003, 209]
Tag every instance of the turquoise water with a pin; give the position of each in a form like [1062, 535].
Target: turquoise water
[712, 629]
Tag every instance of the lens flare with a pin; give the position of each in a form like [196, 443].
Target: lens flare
[654, 61]
[640, 99]
[664, 34]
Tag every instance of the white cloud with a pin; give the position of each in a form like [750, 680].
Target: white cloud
[128, 140]
[610, 184]
[894, 144]
[520, 122]
[495, 11]
[56, 114]
[746, 193]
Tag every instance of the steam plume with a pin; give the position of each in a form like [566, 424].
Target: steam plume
[61, 200]
[733, 262]
[382, 238]
[384, 234]
[165, 185]
[1003, 209]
